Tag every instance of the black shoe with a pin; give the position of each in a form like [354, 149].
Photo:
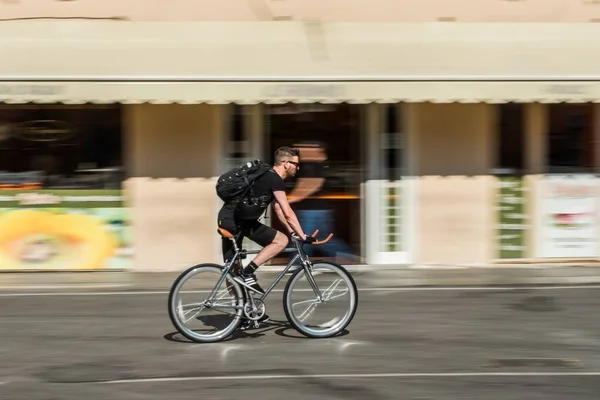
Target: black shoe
[249, 281]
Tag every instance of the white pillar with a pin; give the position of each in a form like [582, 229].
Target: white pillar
[371, 206]
[536, 137]
[410, 153]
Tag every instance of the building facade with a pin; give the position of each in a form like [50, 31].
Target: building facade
[448, 139]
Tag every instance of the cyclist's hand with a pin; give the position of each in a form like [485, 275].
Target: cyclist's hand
[309, 239]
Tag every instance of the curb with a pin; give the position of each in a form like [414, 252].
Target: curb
[365, 276]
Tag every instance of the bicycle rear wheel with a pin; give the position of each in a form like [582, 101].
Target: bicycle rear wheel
[303, 306]
[196, 285]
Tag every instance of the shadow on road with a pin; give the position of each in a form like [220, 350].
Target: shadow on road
[280, 328]
[238, 334]
[297, 335]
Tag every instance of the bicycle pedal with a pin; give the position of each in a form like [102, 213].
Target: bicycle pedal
[250, 325]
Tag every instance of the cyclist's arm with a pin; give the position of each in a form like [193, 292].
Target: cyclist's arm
[288, 214]
[281, 217]
[304, 188]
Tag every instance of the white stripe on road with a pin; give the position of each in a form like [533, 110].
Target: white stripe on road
[67, 286]
[380, 289]
[355, 376]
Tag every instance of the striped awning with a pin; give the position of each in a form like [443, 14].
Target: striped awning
[278, 62]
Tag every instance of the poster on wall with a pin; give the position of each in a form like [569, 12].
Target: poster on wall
[64, 230]
[568, 216]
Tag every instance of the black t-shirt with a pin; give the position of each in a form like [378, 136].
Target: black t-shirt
[262, 195]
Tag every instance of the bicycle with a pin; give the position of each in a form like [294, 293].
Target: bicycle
[247, 304]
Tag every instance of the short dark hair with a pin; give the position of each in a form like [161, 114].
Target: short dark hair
[284, 152]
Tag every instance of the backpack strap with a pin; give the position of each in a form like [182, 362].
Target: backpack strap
[266, 209]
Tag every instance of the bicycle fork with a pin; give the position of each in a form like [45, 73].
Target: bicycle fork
[311, 280]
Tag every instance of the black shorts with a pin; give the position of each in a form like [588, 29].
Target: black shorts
[259, 233]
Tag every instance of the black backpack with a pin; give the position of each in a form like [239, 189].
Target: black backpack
[236, 184]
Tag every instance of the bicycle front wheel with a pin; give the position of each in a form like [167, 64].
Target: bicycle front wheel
[322, 303]
[200, 316]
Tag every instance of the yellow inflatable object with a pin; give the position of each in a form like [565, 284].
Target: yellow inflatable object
[35, 239]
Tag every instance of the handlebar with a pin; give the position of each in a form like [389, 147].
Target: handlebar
[316, 243]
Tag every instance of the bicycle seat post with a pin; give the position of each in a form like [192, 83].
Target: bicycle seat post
[238, 249]
[235, 246]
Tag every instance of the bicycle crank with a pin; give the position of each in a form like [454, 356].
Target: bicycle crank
[254, 311]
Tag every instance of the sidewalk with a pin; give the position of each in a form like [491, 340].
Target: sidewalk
[365, 276]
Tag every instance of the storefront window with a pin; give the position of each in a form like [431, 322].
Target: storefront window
[570, 138]
[511, 137]
[60, 147]
[61, 201]
[326, 192]
[391, 144]
[237, 145]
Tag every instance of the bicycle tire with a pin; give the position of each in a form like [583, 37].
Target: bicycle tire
[286, 300]
[172, 308]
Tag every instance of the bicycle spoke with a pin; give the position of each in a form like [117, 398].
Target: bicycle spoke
[327, 292]
[313, 306]
[184, 313]
[306, 301]
[202, 306]
[330, 289]
[315, 303]
[310, 310]
[345, 292]
[225, 306]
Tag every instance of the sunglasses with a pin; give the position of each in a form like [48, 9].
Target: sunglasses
[295, 163]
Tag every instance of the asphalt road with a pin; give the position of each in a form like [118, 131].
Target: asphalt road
[408, 344]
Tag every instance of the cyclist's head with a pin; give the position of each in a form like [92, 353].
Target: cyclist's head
[288, 159]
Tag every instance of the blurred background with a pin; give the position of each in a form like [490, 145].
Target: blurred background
[451, 144]
[427, 127]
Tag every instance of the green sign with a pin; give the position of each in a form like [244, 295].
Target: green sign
[393, 210]
[510, 201]
[64, 230]
[61, 198]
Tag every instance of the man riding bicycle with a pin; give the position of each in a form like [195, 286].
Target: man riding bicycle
[243, 219]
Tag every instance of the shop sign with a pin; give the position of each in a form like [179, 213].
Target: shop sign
[568, 216]
[304, 90]
[43, 130]
[567, 89]
[13, 89]
[64, 230]
[512, 223]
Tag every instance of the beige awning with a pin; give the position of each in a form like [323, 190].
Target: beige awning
[252, 62]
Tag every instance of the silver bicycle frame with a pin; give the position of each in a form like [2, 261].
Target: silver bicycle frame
[300, 254]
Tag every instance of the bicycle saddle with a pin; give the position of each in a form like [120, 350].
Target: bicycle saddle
[225, 233]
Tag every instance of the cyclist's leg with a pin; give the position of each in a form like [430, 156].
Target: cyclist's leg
[272, 241]
[226, 220]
